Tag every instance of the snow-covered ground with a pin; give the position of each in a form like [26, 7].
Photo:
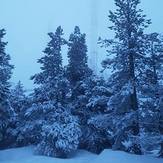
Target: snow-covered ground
[25, 155]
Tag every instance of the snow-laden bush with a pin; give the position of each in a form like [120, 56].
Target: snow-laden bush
[28, 133]
[57, 131]
[60, 137]
[118, 131]
[90, 98]
[94, 140]
[6, 122]
[150, 142]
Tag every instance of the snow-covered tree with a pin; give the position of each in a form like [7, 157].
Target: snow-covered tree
[5, 74]
[153, 71]
[18, 98]
[77, 68]
[52, 61]
[126, 58]
[151, 92]
[54, 128]
[60, 132]
[92, 95]
[52, 83]
[19, 102]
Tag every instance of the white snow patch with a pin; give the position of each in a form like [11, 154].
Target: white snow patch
[25, 155]
[127, 144]
[109, 156]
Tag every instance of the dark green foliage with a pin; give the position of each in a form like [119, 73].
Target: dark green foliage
[57, 130]
[92, 95]
[77, 68]
[5, 74]
[20, 102]
[127, 60]
[52, 61]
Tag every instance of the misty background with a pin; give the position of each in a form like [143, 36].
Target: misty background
[27, 23]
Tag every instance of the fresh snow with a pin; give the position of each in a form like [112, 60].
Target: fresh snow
[25, 155]
[109, 156]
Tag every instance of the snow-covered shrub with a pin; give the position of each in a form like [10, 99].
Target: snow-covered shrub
[130, 143]
[18, 103]
[126, 133]
[60, 137]
[52, 127]
[118, 131]
[98, 138]
[6, 124]
[28, 133]
[91, 98]
[94, 140]
[150, 142]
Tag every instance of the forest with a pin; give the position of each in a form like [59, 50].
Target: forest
[72, 108]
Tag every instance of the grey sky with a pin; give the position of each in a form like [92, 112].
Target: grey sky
[28, 21]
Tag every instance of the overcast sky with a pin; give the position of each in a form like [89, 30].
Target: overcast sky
[27, 23]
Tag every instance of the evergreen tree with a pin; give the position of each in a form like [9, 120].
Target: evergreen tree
[53, 84]
[77, 68]
[150, 115]
[52, 61]
[18, 99]
[155, 75]
[5, 75]
[127, 62]
[153, 71]
[19, 102]
[89, 94]
[91, 102]
[52, 122]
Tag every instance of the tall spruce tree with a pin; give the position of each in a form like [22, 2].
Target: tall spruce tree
[77, 68]
[51, 78]
[5, 75]
[52, 61]
[50, 116]
[127, 61]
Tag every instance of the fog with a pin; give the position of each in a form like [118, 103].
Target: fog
[27, 23]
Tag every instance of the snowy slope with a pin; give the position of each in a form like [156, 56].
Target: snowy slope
[25, 155]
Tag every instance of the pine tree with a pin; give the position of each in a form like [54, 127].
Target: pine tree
[5, 75]
[19, 102]
[150, 114]
[52, 61]
[53, 84]
[155, 88]
[91, 103]
[77, 68]
[18, 99]
[49, 114]
[127, 59]
[152, 75]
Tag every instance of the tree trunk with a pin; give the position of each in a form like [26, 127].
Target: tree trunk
[133, 96]
[134, 101]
